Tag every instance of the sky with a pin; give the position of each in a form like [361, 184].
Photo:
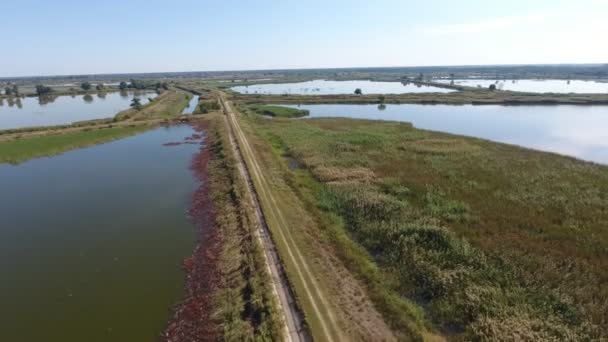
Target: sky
[129, 36]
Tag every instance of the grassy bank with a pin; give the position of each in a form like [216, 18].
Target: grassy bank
[19, 150]
[244, 302]
[479, 97]
[168, 104]
[278, 111]
[486, 241]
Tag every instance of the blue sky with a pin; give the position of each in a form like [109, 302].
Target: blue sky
[110, 36]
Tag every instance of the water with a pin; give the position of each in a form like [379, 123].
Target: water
[539, 86]
[578, 131]
[65, 109]
[323, 87]
[191, 105]
[91, 241]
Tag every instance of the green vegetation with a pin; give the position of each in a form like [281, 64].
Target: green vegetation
[207, 106]
[358, 91]
[491, 241]
[279, 111]
[468, 96]
[244, 302]
[168, 104]
[43, 90]
[19, 150]
[136, 103]
[86, 86]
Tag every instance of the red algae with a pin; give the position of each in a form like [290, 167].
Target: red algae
[192, 317]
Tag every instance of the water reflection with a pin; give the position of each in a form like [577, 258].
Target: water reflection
[578, 131]
[323, 87]
[88, 260]
[537, 86]
[46, 99]
[59, 110]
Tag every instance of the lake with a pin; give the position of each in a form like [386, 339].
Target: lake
[538, 86]
[91, 241]
[65, 109]
[324, 87]
[578, 131]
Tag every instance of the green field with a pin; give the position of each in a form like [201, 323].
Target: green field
[489, 241]
[278, 111]
[19, 150]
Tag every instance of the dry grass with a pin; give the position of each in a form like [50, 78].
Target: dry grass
[493, 241]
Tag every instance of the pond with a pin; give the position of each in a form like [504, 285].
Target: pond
[191, 105]
[578, 131]
[65, 109]
[91, 241]
[538, 86]
[324, 87]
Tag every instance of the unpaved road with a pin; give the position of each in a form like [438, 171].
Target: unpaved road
[311, 292]
[294, 328]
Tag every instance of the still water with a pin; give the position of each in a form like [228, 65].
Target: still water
[538, 86]
[578, 131]
[191, 105]
[91, 241]
[323, 87]
[65, 109]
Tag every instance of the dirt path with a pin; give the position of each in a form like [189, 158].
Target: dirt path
[312, 292]
[294, 328]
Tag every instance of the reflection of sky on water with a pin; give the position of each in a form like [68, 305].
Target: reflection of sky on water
[322, 87]
[579, 131]
[65, 109]
[538, 86]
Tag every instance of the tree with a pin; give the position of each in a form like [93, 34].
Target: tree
[43, 90]
[15, 90]
[100, 86]
[492, 87]
[381, 98]
[85, 86]
[358, 91]
[8, 91]
[136, 103]
[122, 85]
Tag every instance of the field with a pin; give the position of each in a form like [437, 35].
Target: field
[476, 239]
[278, 111]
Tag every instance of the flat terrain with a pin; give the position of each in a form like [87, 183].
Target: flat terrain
[17, 145]
[487, 241]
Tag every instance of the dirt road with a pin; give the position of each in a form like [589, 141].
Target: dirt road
[293, 319]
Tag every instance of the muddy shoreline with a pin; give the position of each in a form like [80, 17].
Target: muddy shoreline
[192, 318]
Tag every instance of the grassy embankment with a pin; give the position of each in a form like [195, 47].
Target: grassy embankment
[244, 303]
[278, 111]
[18, 145]
[479, 97]
[489, 241]
[16, 151]
[328, 287]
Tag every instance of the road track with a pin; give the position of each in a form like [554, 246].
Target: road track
[294, 328]
[311, 291]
